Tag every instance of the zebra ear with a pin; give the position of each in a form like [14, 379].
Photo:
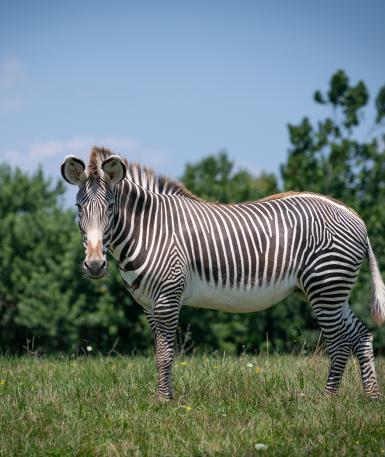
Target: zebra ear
[72, 170]
[114, 170]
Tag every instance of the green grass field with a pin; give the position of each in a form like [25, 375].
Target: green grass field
[223, 407]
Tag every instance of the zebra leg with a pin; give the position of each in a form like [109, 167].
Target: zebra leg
[163, 321]
[327, 287]
[338, 343]
[363, 348]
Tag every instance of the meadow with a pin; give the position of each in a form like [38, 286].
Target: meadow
[224, 406]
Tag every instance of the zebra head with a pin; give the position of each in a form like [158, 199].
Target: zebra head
[95, 201]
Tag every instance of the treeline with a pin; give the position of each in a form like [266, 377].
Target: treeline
[47, 306]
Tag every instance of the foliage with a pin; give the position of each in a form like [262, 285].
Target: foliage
[46, 305]
[103, 406]
[215, 178]
[331, 159]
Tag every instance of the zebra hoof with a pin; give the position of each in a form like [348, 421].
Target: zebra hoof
[372, 392]
[329, 393]
[375, 396]
[161, 398]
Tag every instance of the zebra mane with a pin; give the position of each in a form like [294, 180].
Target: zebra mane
[159, 184]
[140, 175]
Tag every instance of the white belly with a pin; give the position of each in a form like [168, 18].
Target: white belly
[201, 295]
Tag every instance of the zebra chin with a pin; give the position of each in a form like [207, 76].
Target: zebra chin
[95, 269]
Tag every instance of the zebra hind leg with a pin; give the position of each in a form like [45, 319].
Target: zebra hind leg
[328, 293]
[363, 348]
[338, 343]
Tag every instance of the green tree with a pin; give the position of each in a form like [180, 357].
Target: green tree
[215, 178]
[43, 296]
[335, 158]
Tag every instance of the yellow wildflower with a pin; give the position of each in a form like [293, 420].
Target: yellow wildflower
[187, 408]
[257, 370]
[2, 382]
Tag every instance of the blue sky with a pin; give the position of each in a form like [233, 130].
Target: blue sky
[167, 83]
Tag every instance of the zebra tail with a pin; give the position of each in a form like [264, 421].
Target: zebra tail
[377, 306]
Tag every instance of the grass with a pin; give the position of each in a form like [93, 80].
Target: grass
[97, 406]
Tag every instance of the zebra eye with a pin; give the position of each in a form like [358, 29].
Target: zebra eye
[78, 207]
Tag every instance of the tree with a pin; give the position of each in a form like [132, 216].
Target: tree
[334, 158]
[43, 296]
[328, 158]
[42, 291]
[215, 178]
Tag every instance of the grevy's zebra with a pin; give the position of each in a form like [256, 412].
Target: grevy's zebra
[174, 249]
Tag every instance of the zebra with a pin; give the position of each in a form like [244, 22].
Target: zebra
[175, 249]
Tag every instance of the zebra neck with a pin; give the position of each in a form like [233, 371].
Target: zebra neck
[131, 233]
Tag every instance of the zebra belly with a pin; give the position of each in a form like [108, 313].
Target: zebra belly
[201, 294]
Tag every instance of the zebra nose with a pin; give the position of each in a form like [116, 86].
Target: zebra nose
[95, 268]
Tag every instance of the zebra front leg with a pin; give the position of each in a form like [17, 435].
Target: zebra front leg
[163, 322]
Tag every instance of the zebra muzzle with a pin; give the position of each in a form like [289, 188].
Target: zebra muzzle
[95, 263]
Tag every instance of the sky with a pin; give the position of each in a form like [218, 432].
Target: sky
[166, 83]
